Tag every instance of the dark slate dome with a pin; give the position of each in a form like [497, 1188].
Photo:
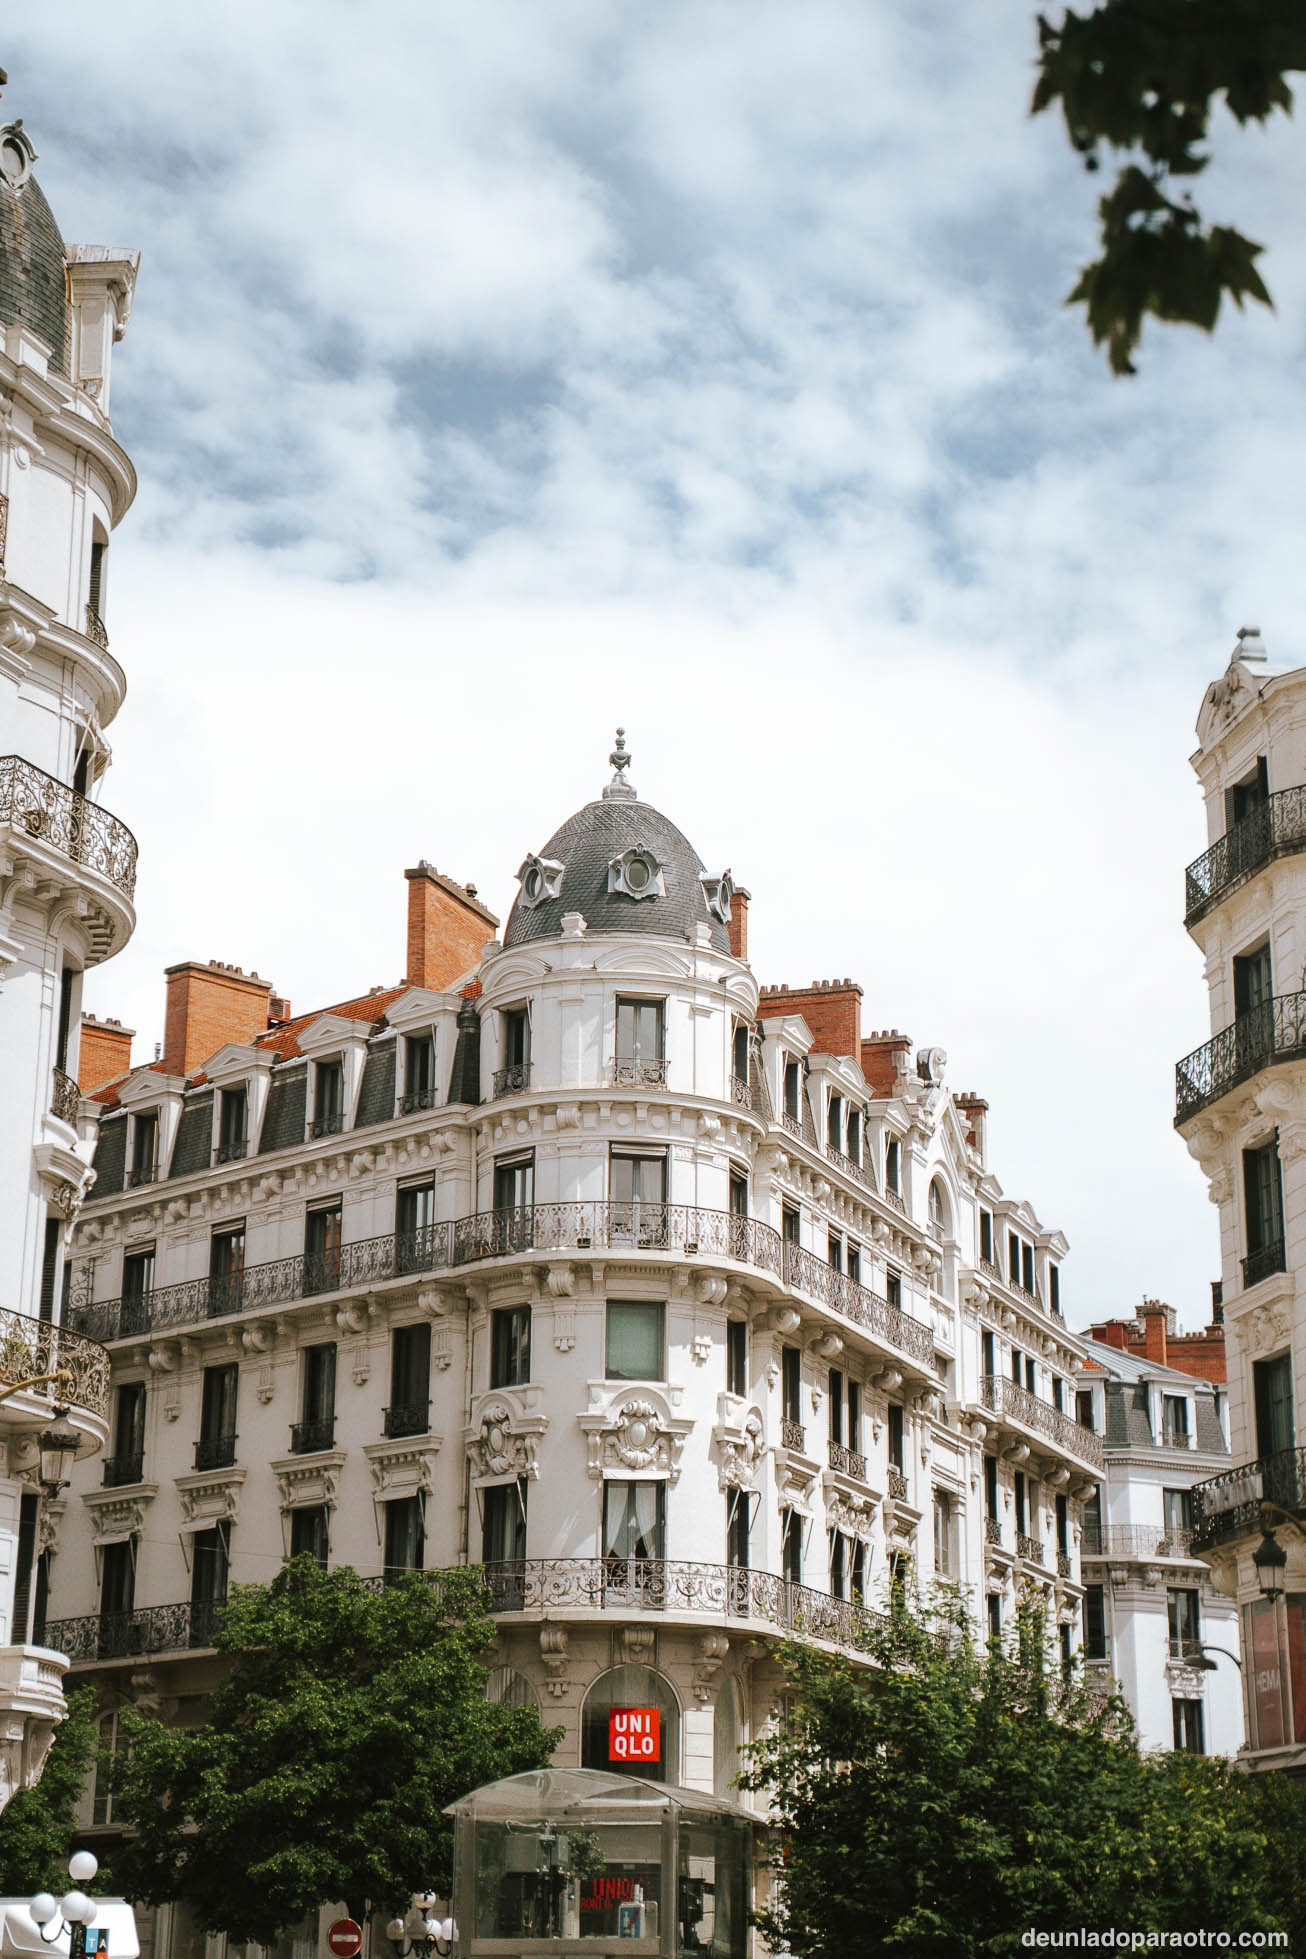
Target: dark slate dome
[574, 873]
[33, 280]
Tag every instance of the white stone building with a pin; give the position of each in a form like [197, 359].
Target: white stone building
[1153, 1621]
[691, 1312]
[67, 866]
[1241, 1108]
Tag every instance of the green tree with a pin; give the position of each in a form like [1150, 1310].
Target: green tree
[350, 1717]
[37, 1825]
[948, 1800]
[1142, 78]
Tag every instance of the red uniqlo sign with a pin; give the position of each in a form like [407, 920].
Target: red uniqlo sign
[345, 1938]
[635, 1734]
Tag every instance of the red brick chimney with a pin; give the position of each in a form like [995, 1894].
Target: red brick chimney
[738, 926]
[878, 1059]
[974, 1112]
[209, 1005]
[105, 1052]
[1155, 1318]
[831, 1008]
[447, 928]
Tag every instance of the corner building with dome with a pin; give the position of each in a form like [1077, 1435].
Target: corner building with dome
[695, 1314]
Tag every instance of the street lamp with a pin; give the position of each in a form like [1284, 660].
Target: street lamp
[434, 1942]
[1270, 1558]
[75, 1911]
[58, 1443]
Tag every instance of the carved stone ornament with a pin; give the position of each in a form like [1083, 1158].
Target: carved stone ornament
[302, 1480]
[553, 1652]
[115, 1516]
[503, 1436]
[540, 878]
[210, 1496]
[854, 1515]
[636, 873]
[709, 1657]
[564, 1328]
[403, 1466]
[636, 1434]
[718, 891]
[739, 1438]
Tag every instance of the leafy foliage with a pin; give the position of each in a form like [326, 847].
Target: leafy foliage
[350, 1718]
[37, 1825]
[1142, 77]
[950, 1800]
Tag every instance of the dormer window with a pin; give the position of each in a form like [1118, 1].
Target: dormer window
[893, 1167]
[637, 874]
[144, 1168]
[718, 891]
[540, 878]
[834, 1124]
[793, 1089]
[1174, 1421]
[938, 1212]
[419, 1074]
[233, 1124]
[853, 1136]
[328, 1099]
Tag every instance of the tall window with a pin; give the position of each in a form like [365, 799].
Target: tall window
[410, 1380]
[791, 1384]
[635, 1343]
[737, 1356]
[1054, 1288]
[834, 1123]
[1253, 982]
[943, 1557]
[791, 1545]
[641, 1034]
[1094, 1622]
[1013, 1258]
[792, 1089]
[515, 1073]
[316, 1428]
[328, 1098]
[853, 1135]
[1174, 1421]
[1272, 1396]
[419, 1074]
[637, 1185]
[68, 978]
[514, 1197]
[991, 1486]
[1031, 1374]
[310, 1532]
[1084, 1407]
[226, 1269]
[322, 1237]
[836, 1406]
[897, 1452]
[855, 1416]
[986, 1236]
[834, 1250]
[145, 1148]
[893, 1166]
[414, 1219]
[1189, 1729]
[50, 1265]
[405, 1535]
[1263, 1194]
[1018, 1490]
[853, 1262]
[893, 1288]
[737, 1529]
[233, 1124]
[117, 1590]
[209, 1573]
[137, 1287]
[738, 1194]
[503, 1529]
[988, 1354]
[790, 1223]
[838, 1565]
[995, 1615]
[1178, 1513]
[1063, 1525]
[634, 1521]
[1185, 1624]
[127, 1463]
[510, 1346]
[1243, 797]
[216, 1447]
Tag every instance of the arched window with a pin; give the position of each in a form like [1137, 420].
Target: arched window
[508, 1688]
[938, 1206]
[616, 1732]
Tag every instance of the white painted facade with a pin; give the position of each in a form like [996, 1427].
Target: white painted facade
[1156, 1624]
[1241, 1108]
[66, 873]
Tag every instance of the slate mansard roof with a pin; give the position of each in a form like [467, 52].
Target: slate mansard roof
[585, 847]
[33, 280]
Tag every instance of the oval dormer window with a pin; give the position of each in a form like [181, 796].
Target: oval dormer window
[533, 882]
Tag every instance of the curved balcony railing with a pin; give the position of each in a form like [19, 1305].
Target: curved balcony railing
[30, 1348]
[684, 1230]
[636, 1070]
[848, 1461]
[1004, 1397]
[1260, 1264]
[513, 1080]
[40, 806]
[545, 1585]
[1228, 1506]
[65, 1098]
[1135, 1541]
[1275, 828]
[1029, 1548]
[96, 630]
[1274, 1031]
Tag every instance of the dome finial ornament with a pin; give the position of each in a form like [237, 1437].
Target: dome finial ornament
[620, 787]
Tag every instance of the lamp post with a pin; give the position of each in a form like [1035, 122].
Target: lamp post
[58, 1443]
[1269, 1559]
[75, 1911]
[435, 1941]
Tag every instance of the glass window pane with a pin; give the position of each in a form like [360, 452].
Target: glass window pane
[635, 1341]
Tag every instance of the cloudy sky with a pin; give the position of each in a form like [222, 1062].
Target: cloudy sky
[502, 373]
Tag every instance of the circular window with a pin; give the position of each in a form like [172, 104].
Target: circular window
[12, 161]
[638, 873]
[533, 882]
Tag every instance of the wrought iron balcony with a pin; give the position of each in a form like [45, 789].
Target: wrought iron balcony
[681, 1230]
[216, 1451]
[849, 1165]
[1186, 1649]
[1261, 1264]
[630, 1070]
[1128, 1542]
[416, 1099]
[407, 1418]
[30, 1348]
[993, 1531]
[793, 1436]
[848, 1461]
[741, 1091]
[307, 1438]
[232, 1151]
[793, 1124]
[1275, 828]
[96, 629]
[1005, 1398]
[1063, 1564]
[1275, 1031]
[39, 806]
[128, 1635]
[1228, 1506]
[1029, 1548]
[330, 1124]
[897, 1483]
[895, 1199]
[512, 1081]
[65, 1098]
[141, 1173]
[119, 1470]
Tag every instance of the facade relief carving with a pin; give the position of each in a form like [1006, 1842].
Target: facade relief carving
[633, 1432]
[503, 1436]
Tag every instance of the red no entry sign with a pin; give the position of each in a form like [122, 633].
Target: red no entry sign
[345, 1938]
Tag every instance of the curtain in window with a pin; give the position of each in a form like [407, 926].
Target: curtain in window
[634, 1341]
[632, 1522]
